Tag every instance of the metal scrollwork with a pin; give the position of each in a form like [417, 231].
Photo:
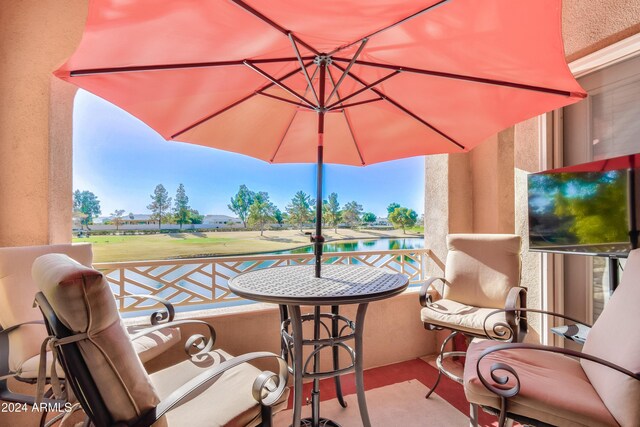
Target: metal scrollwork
[165, 314]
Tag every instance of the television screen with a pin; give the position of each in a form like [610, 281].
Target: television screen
[585, 212]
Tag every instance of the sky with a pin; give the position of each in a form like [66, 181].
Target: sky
[121, 160]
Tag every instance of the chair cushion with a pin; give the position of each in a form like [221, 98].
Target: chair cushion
[466, 318]
[553, 388]
[614, 337]
[17, 291]
[29, 369]
[482, 268]
[83, 302]
[227, 401]
[154, 344]
[147, 347]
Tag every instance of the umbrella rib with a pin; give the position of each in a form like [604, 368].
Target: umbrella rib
[278, 82]
[346, 118]
[344, 74]
[230, 106]
[388, 27]
[284, 135]
[279, 98]
[304, 69]
[273, 24]
[183, 66]
[353, 104]
[367, 87]
[402, 108]
[454, 76]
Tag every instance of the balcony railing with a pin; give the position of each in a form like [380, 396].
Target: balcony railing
[201, 283]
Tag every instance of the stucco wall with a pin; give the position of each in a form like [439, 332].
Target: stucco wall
[35, 200]
[590, 25]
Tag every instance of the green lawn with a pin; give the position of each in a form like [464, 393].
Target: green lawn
[186, 244]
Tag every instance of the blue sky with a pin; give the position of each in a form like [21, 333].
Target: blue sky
[121, 160]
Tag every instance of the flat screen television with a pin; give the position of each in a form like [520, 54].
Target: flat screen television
[588, 209]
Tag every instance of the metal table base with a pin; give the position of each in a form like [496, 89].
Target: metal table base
[309, 367]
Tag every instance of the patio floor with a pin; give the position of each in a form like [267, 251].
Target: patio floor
[395, 397]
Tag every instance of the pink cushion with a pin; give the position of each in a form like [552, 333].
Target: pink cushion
[553, 388]
[614, 337]
[482, 268]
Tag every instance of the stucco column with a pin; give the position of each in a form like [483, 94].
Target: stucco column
[469, 193]
[35, 125]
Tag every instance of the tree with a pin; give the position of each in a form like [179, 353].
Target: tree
[351, 213]
[181, 209]
[241, 202]
[332, 215]
[87, 206]
[160, 204]
[369, 217]
[261, 211]
[403, 218]
[117, 218]
[131, 216]
[392, 207]
[195, 217]
[299, 209]
[277, 215]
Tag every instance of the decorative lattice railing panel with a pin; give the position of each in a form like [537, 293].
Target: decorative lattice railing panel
[202, 282]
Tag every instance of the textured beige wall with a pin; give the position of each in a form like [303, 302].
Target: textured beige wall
[35, 200]
[392, 332]
[590, 25]
[492, 183]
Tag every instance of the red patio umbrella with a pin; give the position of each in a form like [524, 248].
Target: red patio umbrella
[352, 82]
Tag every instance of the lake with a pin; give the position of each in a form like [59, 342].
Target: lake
[362, 245]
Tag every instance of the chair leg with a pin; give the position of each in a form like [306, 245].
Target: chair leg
[439, 361]
[473, 415]
[267, 414]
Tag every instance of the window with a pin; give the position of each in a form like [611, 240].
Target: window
[606, 125]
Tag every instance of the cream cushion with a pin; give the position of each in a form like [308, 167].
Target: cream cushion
[17, 292]
[154, 344]
[147, 348]
[83, 302]
[615, 338]
[227, 401]
[482, 268]
[554, 388]
[466, 318]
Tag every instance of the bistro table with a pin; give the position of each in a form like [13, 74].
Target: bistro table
[293, 286]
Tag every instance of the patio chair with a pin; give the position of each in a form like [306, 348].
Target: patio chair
[22, 329]
[104, 372]
[545, 385]
[482, 273]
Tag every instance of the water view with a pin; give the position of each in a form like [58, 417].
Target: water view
[359, 245]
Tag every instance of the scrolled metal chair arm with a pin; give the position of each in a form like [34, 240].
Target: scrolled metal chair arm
[195, 345]
[157, 316]
[506, 392]
[523, 310]
[425, 298]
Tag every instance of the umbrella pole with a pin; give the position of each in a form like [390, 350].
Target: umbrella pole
[318, 239]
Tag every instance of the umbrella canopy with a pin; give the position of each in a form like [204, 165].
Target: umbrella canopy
[352, 82]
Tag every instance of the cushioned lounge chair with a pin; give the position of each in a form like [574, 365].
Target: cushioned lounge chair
[104, 372]
[22, 329]
[543, 385]
[482, 273]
